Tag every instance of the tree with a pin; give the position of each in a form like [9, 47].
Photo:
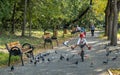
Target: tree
[112, 20]
[13, 19]
[30, 16]
[24, 21]
[107, 13]
[115, 23]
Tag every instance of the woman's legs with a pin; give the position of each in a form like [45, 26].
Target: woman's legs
[82, 55]
[92, 32]
[82, 52]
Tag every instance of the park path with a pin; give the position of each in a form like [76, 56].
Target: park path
[93, 64]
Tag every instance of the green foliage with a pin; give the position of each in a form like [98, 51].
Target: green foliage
[45, 13]
[4, 58]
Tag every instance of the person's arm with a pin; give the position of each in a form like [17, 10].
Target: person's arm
[89, 47]
[78, 42]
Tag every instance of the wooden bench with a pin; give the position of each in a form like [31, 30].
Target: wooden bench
[16, 49]
[48, 39]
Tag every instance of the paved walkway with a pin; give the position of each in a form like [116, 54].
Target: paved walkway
[52, 64]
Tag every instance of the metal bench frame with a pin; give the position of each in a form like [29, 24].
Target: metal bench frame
[16, 49]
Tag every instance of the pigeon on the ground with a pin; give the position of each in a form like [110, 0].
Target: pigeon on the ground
[76, 63]
[107, 54]
[55, 52]
[105, 47]
[31, 60]
[67, 59]
[48, 60]
[114, 58]
[62, 57]
[91, 64]
[105, 62]
[43, 59]
[12, 68]
[35, 62]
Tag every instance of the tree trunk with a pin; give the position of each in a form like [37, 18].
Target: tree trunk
[118, 5]
[24, 22]
[55, 32]
[115, 22]
[110, 20]
[107, 13]
[30, 17]
[13, 20]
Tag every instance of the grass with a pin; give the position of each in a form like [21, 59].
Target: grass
[4, 59]
[36, 40]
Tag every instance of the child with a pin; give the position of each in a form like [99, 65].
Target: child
[81, 42]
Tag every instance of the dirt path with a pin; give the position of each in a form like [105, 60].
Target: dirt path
[93, 64]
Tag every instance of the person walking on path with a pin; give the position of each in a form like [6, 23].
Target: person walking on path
[82, 42]
[92, 28]
[83, 30]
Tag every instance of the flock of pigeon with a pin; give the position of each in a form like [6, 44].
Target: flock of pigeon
[58, 55]
[52, 56]
[108, 54]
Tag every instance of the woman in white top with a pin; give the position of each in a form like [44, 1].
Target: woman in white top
[81, 42]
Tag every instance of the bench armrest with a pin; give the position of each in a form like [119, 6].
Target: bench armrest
[27, 46]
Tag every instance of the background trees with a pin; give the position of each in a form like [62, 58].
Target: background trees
[35, 14]
[112, 12]
[26, 15]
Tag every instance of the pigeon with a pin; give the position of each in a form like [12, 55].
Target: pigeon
[38, 57]
[91, 64]
[31, 61]
[48, 60]
[105, 62]
[110, 51]
[55, 52]
[107, 54]
[62, 57]
[114, 58]
[43, 59]
[105, 47]
[76, 63]
[46, 54]
[12, 68]
[67, 59]
[35, 62]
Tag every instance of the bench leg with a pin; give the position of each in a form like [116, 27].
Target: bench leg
[32, 54]
[22, 60]
[9, 59]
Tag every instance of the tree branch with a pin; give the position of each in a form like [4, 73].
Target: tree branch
[80, 15]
